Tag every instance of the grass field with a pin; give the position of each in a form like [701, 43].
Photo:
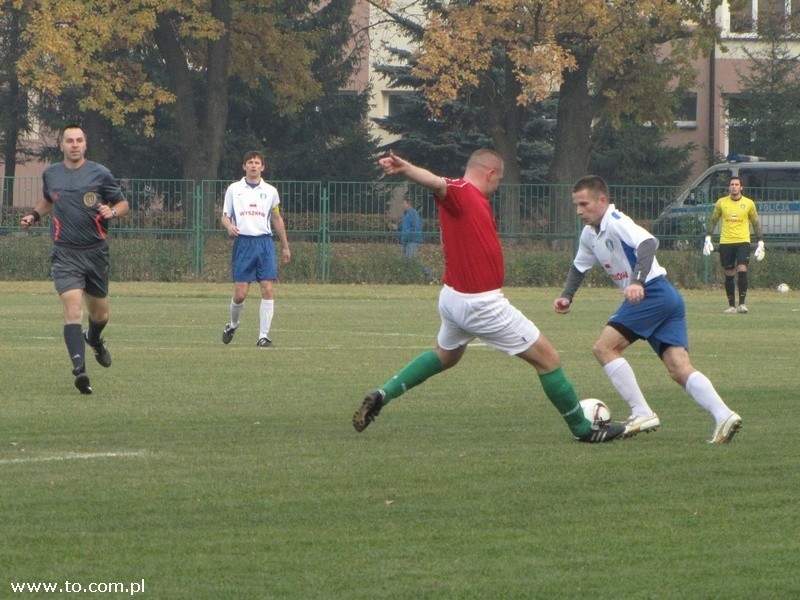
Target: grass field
[211, 471]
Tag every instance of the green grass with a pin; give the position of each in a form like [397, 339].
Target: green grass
[246, 479]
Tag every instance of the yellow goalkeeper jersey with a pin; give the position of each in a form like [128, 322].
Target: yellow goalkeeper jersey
[736, 216]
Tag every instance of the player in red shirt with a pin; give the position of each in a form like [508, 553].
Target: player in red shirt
[471, 303]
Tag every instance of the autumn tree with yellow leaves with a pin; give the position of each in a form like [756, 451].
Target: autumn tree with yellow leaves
[600, 58]
[96, 48]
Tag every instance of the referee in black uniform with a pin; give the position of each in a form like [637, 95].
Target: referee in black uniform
[83, 197]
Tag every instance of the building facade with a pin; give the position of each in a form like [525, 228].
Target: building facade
[705, 119]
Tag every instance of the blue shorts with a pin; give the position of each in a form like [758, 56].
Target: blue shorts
[253, 259]
[660, 318]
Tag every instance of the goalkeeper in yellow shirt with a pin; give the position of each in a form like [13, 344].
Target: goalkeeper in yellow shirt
[737, 213]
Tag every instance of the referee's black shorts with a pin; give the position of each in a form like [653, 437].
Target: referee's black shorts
[81, 269]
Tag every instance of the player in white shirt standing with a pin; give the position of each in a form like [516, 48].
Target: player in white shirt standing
[250, 214]
[652, 309]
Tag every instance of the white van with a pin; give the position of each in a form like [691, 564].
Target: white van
[773, 186]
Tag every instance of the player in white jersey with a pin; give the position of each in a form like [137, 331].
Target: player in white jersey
[652, 309]
[250, 213]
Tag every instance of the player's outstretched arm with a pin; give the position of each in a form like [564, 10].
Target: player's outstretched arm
[394, 165]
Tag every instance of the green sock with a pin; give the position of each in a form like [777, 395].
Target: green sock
[418, 370]
[560, 392]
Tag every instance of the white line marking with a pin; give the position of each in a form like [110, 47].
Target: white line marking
[72, 456]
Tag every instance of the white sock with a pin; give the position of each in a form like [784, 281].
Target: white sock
[236, 311]
[265, 313]
[623, 379]
[702, 390]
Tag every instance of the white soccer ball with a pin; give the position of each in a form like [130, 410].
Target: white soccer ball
[783, 288]
[596, 411]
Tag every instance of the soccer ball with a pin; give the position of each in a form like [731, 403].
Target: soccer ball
[596, 411]
[783, 288]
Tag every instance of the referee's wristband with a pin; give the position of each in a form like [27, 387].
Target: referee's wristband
[36, 216]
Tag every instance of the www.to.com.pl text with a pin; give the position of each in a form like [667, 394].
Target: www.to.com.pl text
[72, 587]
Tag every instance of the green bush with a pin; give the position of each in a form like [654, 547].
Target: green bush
[24, 256]
[374, 263]
[170, 257]
[150, 258]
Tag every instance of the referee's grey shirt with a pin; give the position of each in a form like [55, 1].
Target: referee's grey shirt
[76, 195]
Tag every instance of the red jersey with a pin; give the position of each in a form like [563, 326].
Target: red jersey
[473, 257]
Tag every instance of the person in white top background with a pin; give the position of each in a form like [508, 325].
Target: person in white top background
[250, 213]
[652, 310]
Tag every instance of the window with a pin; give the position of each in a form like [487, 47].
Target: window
[743, 16]
[760, 16]
[686, 110]
[784, 178]
[754, 180]
[739, 132]
[718, 184]
[397, 103]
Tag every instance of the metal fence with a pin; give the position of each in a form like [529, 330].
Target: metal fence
[187, 213]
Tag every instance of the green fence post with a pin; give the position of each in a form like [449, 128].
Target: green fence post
[324, 235]
[198, 230]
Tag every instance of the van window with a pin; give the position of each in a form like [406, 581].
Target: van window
[784, 178]
[720, 185]
[708, 190]
[752, 180]
[771, 184]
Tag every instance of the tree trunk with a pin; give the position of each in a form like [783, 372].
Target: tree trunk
[201, 121]
[505, 123]
[16, 110]
[98, 136]
[572, 137]
[573, 127]
[10, 153]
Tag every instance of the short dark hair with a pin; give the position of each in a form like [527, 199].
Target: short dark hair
[70, 126]
[739, 179]
[254, 154]
[593, 183]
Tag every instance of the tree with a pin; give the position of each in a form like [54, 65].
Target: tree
[443, 143]
[764, 115]
[605, 59]
[633, 154]
[327, 139]
[97, 46]
[14, 121]
[441, 136]
[602, 57]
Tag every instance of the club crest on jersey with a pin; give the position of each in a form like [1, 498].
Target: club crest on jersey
[610, 245]
[91, 199]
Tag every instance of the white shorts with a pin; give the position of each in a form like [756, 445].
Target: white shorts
[488, 316]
